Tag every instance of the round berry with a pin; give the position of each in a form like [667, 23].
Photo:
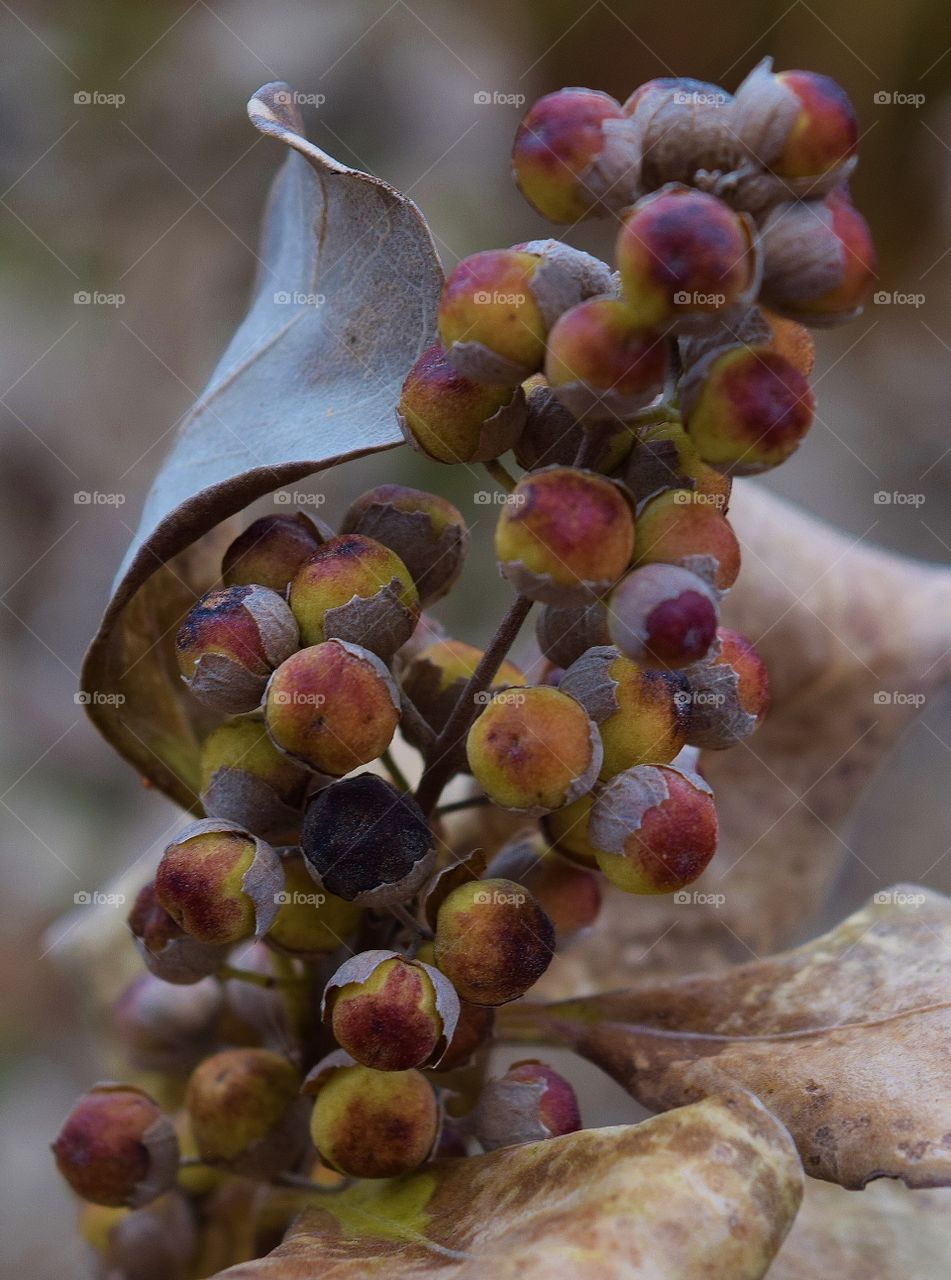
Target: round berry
[642, 715]
[490, 323]
[229, 644]
[655, 829]
[682, 126]
[427, 533]
[167, 950]
[748, 410]
[529, 1103]
[729, 693]
[371, 1124]
[678, 527]
[533, 750]
[565, 634]
[310, 922]
[602, 363]
[493, 941]
[569, 895]
[567, 163]
[662, 615]
[270, 551]
[682, 255]
[246, 780]
[665, 457]
[117, 1147]
[333, 706]
[565, 536]
[567, 831]
[354, 588]
[435, 678]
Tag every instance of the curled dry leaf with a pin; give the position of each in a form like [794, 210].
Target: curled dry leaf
[846, 1040]
[837, 622]
[887, 1232]
[707, 1191]
[344, 301]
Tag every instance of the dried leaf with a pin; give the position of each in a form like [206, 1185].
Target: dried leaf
[838, 621]
[706, 1191]
[345, 299]
[886, 1232]
[846, 1040]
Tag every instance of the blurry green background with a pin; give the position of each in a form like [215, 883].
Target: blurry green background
[157, 199]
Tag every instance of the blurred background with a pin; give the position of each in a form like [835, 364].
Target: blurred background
[132, 186]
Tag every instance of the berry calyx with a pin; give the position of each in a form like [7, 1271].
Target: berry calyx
[309, 922]
[729, 693]
[246, 780]
[529, 1103]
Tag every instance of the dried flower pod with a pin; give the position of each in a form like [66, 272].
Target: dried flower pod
[426, 632]
[229, 644]
[366, 842]
[219, 883]
[565, 536]
[566, 830]
[451, 418]
[529, 1103]
[662, 615]
[746, 409]
[356, 589]
[569, 895]
[683, 127]
[533, 750]
[666, 458]
[246, 1113]
[333, 706]
[493, 941]
[818, 260]
[270, 551]
[389, 1012]
[602, 363]
[552, 435]
[164, 1027]
[655, 829]
[575, 156]
[427, 533]
[309, 923]
[642, 715]
[566, 276]
[685, 256]
[371, 1124]
[729, 693]
[435, 678]
[564, 634]
[167, 950]
[246, 780]
[751, 328]
[157, 1242]
[798, 124]
[679, 527]
[117, 1147]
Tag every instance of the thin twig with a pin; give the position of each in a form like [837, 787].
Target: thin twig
[395, 772]
[500, 475]
[469, 803]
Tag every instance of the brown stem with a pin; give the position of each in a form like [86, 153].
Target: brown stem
[440, 759]
[500, 475]
[228, 972]
[469, 803]
[423, 731]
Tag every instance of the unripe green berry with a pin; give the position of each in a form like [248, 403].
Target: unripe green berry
[678, 527]
[682, 126]
[219, 883]
[229, 644]
[684, 256]
[493, 941]
[818, 260]
[309, 922]
[355, 589]
[642, 715]
[333, 707]
[662, 615]
[655, 829]
[371, 1124]
[529, 1103]
[246, 1113]
[270, 551]
[565, 536]
[389, 1012]
[747, 409]
[574, 156]
[117, 1147]
[427, 533]
[665, 457]
[245, 779]
[533, 750]
[729, 693]
[602, 363]
[168, 951]
[366, 842]
[450, 418]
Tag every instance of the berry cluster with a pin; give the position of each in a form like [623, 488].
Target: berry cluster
[630, 399]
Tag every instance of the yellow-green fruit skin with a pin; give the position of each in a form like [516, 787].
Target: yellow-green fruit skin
[567, 831]
[487, 299]
[199, 883]
[342, 568]
[374, 1124]
[236, 1099]
[310, 921]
